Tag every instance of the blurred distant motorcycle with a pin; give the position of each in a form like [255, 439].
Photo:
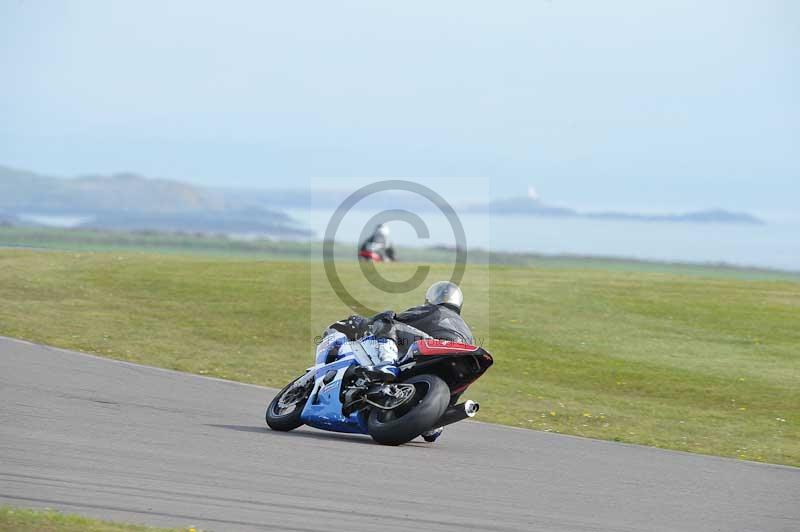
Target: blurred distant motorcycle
[377, 247]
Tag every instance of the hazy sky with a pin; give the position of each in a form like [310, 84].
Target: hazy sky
[597, 103]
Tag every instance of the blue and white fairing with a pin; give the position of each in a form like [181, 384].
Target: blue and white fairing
[324, 407]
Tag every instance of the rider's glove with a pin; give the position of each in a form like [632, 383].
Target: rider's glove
[354, 327]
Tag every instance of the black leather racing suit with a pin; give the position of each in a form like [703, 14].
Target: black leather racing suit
[426, 321]
[438, 321]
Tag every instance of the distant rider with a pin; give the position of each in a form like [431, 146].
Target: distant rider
[377, 246]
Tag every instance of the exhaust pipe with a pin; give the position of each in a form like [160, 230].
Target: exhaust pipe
[457, 413]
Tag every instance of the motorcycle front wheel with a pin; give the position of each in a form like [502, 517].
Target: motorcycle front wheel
[409, 420]
[283, 412]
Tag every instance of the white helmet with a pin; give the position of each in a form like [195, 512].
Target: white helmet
[382, 230]
[445, 293]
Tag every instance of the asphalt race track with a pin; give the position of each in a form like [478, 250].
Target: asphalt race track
[115, 440]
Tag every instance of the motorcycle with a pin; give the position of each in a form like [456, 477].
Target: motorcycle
[373, 256]
[340, 394]
[376, 253]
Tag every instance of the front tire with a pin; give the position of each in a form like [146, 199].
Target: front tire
[403, 424]
[283, 412]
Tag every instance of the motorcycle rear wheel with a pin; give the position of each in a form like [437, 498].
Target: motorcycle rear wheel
[278, 415]
[420, 414]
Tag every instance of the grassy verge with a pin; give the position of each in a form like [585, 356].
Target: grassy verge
[19, 520]
[223, 246]
[680, 362]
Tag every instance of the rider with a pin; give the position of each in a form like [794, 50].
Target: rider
[378, 243]
[439, 318]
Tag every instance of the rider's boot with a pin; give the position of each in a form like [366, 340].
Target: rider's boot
[432, 435]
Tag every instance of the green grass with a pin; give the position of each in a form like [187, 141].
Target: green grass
[708, 365]
[19, 520]
[220, 245]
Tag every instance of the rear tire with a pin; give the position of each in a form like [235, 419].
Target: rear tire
[399, 426]
[282, 421]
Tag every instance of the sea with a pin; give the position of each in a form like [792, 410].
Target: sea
[773, 245]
